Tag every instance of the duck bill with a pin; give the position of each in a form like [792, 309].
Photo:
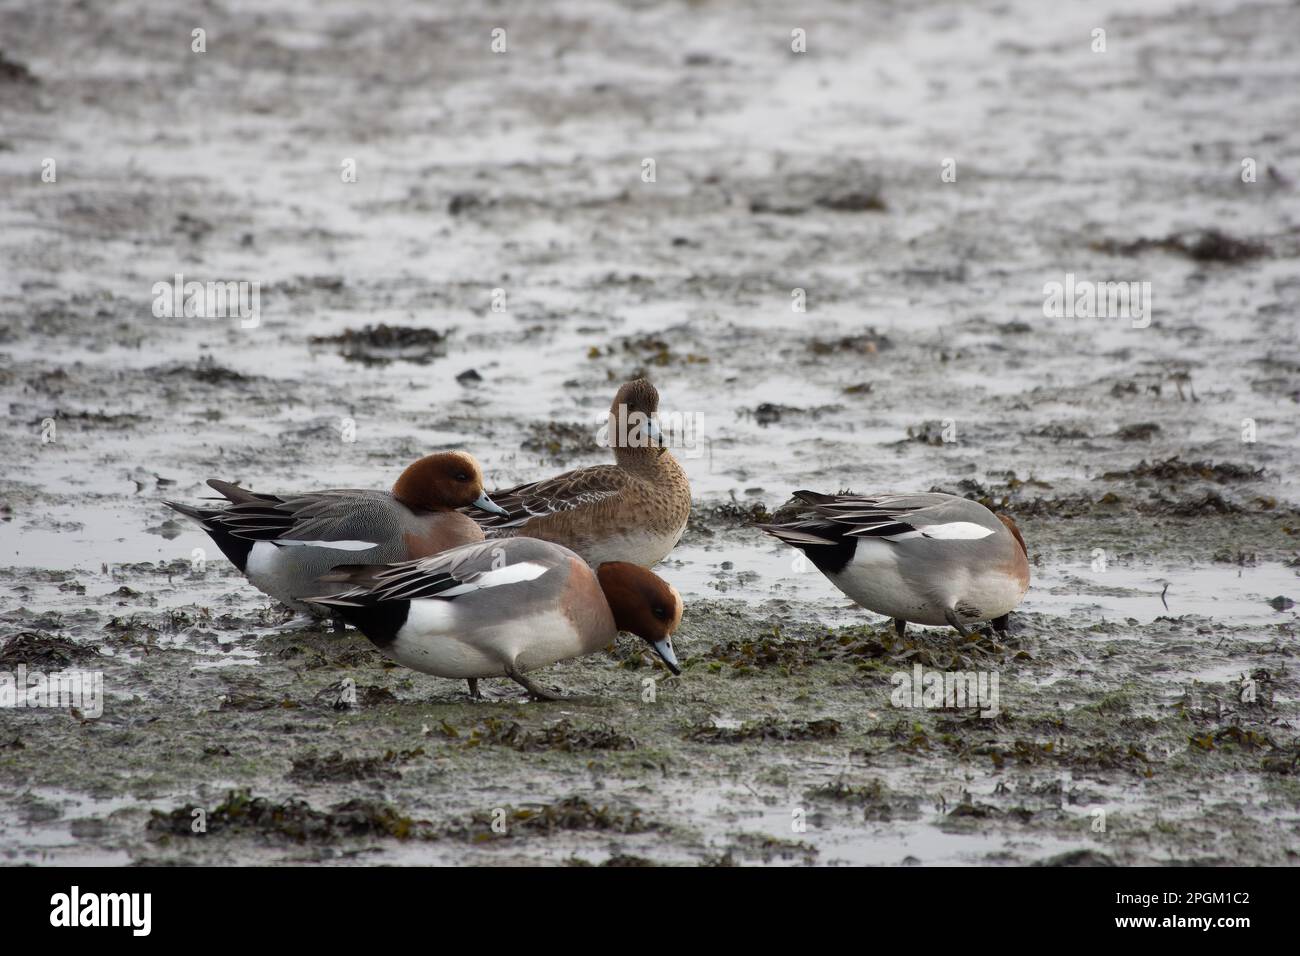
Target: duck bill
[656, 436]
[664, 649]
[484, 503]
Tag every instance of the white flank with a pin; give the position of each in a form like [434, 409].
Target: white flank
[444, 638]
[333, 545]
[261, 562]
[510, 574]
[427, 616]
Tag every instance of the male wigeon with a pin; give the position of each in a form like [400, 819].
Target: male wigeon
[930, 559]
[284, 543]
[503, 608]
[634, 510]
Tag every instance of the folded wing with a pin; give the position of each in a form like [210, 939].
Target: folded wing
[573, 489]
[472, 569]
[831, 518]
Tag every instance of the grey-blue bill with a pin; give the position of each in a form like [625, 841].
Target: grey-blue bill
[664, 649]
[487, 504]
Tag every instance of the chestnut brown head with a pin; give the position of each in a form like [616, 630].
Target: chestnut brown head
[444, 482]
[643, 604]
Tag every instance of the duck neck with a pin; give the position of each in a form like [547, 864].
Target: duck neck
[644, 460]
[419, 502]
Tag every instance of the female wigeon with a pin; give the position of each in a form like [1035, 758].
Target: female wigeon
[930, 559]
[634, 510]
[503, 608]
[284, 543]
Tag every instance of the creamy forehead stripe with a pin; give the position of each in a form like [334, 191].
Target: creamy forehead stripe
[335, 545]
[510, 574]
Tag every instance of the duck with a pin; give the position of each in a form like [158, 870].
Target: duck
[503, 608]
[634, 510]
[284, 543]
[928, 559]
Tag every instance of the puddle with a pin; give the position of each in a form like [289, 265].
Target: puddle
[61, 828]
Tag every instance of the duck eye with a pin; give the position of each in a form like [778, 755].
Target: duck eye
[462, 477]
[660, 613]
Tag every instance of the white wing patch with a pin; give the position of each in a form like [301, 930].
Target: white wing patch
[335, 545]
[956, 531]
[510, 574]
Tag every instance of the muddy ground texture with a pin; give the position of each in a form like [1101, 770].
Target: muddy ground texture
[522, 172]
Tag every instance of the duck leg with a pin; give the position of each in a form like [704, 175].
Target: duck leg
[951, 615]
[473, 688]
[1002, 624]
[533, 689]
[340, 626]
[900, 626]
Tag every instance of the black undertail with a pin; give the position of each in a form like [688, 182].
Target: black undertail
[234, 548]
[379, 621]
[830, 558]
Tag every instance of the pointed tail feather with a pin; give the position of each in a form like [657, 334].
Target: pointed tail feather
[813, 497]
[234, 548]
[237, 495]
[358, 575]
[356, 583]
[343, 599]
[201, 515]
[793, 536]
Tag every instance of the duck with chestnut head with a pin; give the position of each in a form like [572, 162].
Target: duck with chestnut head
[929, 559]
[504, 609]
[284, 543]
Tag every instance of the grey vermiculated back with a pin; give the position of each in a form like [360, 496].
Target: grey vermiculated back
[340, 515]
[472, 559]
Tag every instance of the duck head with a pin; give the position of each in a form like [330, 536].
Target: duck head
[643, 604]
[444, 482]
[633, 430]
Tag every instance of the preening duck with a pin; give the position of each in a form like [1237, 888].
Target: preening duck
[284, 543]
[929, 559]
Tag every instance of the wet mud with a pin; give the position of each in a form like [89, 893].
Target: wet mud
[498, 268]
